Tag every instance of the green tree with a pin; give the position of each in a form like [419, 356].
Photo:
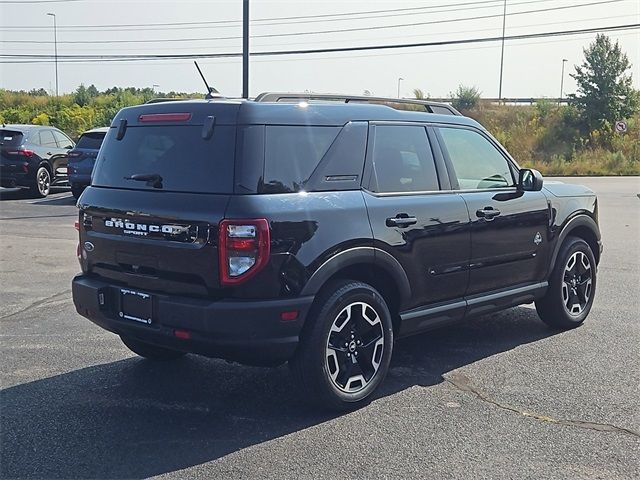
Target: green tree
[465, 98]
[605, 93]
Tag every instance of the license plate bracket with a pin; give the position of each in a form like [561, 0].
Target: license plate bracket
[136, 306]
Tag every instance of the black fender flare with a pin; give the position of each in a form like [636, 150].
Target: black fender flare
[359, 255]
[581, 220]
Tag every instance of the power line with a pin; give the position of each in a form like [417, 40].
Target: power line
[210, 61]
[318, 32]
[108, 58]
[342, 16]
[391, 37]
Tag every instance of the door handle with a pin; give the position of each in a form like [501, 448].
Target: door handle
[488, 213]
[401, 220]
[49, 153]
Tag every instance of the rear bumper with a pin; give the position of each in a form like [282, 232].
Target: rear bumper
[79, 180]
[14, 178]
[246, 331]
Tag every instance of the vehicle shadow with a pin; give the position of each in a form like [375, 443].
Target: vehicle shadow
[57, 200]
[134, 418]
[53, 199]
[13, 193]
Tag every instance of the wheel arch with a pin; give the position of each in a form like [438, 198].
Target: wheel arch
[581, 226]
[369, 265]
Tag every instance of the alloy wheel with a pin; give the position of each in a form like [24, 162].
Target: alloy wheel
[44, 181]
[355, 346]
[577, 283]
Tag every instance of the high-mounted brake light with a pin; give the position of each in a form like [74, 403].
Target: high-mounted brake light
[244, 247]
[165, 117]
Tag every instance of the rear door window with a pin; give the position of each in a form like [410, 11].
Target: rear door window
[91, 141]
[402, 160]
[10, 138]
[177, 153]
[292, 153]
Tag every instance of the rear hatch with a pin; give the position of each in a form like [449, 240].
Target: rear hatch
[82, 157]
[160, 187]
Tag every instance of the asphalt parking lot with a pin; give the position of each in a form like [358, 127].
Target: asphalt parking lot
[500, 396]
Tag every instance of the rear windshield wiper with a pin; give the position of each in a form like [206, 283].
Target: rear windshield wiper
[153, 179]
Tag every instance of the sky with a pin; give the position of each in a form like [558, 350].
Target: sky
[532, 67]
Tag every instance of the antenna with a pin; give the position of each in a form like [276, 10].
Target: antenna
[211, 92]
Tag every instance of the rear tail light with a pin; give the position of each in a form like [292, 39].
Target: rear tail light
[244, 247]
[23, 152]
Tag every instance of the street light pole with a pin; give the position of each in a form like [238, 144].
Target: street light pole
[55, 46]
[399, 80]
[564, 60]
[504, 24]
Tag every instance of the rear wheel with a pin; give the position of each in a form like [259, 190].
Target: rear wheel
[572, 286]
[345, 351]
[43, 182]
[152, 352]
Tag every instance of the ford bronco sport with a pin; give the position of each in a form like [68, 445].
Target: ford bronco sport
[316, 230]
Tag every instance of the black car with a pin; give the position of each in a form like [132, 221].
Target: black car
[317, 232]
[82, 158]
[33, 157]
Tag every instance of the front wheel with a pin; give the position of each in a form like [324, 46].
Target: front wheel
[345, 350]
[152, 352]
[572, 286]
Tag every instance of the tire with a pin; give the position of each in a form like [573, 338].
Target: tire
[572, 286]
[43, 182]
[339, 369]
[76, 191]
[151, 352]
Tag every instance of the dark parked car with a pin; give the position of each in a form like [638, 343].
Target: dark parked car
[82, 158]
[34, 157]
[317, 233]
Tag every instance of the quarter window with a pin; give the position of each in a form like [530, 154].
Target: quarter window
[478, 164]
[63, 140]
[292, 153]
[402, 160]
[47, 139]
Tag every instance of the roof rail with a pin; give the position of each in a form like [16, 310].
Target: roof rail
[397, 103]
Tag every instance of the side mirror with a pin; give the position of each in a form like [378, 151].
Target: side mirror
[529, 180]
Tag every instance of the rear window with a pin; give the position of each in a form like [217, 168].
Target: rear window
[292, 153]
[10, 138]
[90, 141]
[177, 153]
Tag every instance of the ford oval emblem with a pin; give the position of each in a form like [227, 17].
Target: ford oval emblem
[89, 247]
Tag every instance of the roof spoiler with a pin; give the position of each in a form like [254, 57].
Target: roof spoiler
[427, 106]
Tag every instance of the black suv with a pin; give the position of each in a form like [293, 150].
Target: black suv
[33, 157]
[317, 232]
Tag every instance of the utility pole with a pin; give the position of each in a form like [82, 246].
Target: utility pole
[245, 48]
[399, 80]
[504, 24]
[55, 46]
[564, 60]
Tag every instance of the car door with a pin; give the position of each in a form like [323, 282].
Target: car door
[509, 227]
[425, 229]
[61, 159]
